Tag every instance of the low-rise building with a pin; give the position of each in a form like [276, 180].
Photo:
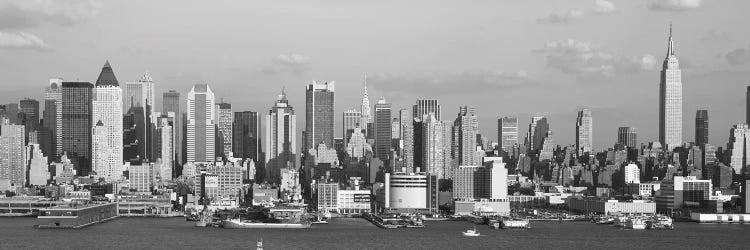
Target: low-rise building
[608, 207]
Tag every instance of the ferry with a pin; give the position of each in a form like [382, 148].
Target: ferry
[635, 223]
[471, 233]
[660, 222]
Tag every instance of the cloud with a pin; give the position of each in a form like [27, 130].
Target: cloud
[604, 6]
[31, 13]
[584, 60]
[21, 41]
[674, 5]
[738, 56]
[287, 63]
[560, 17]
[716, 36]
[448, 83]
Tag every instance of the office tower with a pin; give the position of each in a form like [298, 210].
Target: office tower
[100, 151]
[632, 174]
[37, 165]
[11, 112]
[140, 177]
[507, 135]
[106, 109]
[76, 124]
[52, 141]
[483, 181]
[366, 115]
[676, 192]
[395, 128]
[546, 152]
[466, 128]
[319, 114]
[584, 132]
[448, 161]
[537, 131]
[246, 135]
[626, 137]
[171, 103]
[201, 126]
[141, 94]
[29, 115]
[407, 137]
[165, 145]
[358, 147]
[281, 137]
[351, 120]
[224, 119]
[12, 165]
[417, 144]
[670, 99]
[134, 136]
[739, 147]
[701, 127]
[432, 138]
[382, 130]
[425, 107]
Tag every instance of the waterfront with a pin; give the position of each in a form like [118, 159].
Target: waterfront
[168, 233]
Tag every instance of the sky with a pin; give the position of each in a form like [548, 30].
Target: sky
[506, 58]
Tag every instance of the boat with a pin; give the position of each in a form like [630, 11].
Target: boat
[238, 224]
[204, 220]
[260, 245]
[635, 223]
[494, 224]
[660, 222]
[471, 233]
[515, 224]
[605, 221]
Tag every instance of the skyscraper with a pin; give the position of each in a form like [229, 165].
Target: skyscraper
[626, 137]
[448, 161]
[52, 141]
[224, 119]
[739, 147]
[246, 135]
[425, 107]
[670, 99]
[29, 114]
[382, 130]
[351, 121]
[107, 110]
[319, 114]
[141, 94]
[281, 137]
[701, 127]
[76, 124]
[100, 151]
[584, 132]
[134, 136]
[432, 138]
[466, 128]
[201, 127]
[171, 103]
[366, 114]
[12, 166]
[407, 138]
[507, 133]
[538, 129]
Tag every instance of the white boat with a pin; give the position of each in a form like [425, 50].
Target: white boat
[236, 223]
[635, 223]
[471, 232]
[515, 224]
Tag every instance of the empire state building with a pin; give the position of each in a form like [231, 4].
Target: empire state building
[670, 99]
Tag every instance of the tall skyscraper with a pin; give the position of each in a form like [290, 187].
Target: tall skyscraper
[100, 151]
[107, 110]
[171, 103]
[281, 137]
[224, 118]
[701, 127]
[425, 107]
[29, 115]
[407, 138]
[466, 128]
[535, 135]
[448, 162]
[670, 99]
[165, 145]
[627, 137]
[141, 94]
[507, 134]
[382, 130]
[201, 126]
[52, 141]
[12, 165]
[351, 121]
[432, 138]
[584, 132]
[366, 114]
[134, 136]
[76, 124]
[319, 114]
[739, 147]
[246, 135]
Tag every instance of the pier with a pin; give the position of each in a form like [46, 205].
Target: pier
[76, 216]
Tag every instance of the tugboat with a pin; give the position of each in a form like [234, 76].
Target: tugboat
[471, 233]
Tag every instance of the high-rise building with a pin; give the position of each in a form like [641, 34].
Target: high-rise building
[141, 94]
[739, 147]
[466, 128]
[407, 138]
[224, 121]
[12, 155]
[632, 174]
[246, 135]
[537, 131]
[701, 127]
[351, 120]
[432, 139]
[395, 128]
[171, 103]
[201, 126]
[425, 107]
[52, 140]
[448, 162]
[319, 118]
[674, 193]
[484, 181]
[382, 130]
[37, 165]
[134, 136]
[107, 110]
[100, 151]
[584, 132]
[626, 137]
[507, 134]
[366, 114]
[10, 111]
[281, 137]
[165, 145]
[76, 124]
[29, 115]
[670, 99]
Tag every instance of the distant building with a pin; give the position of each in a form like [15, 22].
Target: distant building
[425, 107]
[12, 154]
[201, 127]
[171, 103]
[584, 132]
[224, 181]
[281, 137]
[681, 191]
[77, 124]
[107, 111]
[366, 114]
[632, 174]
[416, 192]
[466, 128]
[739, 147]
[701, 127]
[488, 181]
[29, 115]
[670, 99]
[507, 133]
[319, 114]
[382, 131]
[141, 94]
[140, 177]
[51, 143]
[351, 120]
[134, 136]
[37, 164]
[224, 119]
[626, 137]
[246, 135]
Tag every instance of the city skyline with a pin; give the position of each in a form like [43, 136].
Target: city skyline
[705, 49]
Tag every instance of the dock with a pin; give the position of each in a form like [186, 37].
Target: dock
[76, 216]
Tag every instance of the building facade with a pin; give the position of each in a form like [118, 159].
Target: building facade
[382, 126]
[584, 132]
[670, 99]
[701, 127]
[319, 118]
[507, 133]
[107, 111]
[281, 137]
[77, 123]
[201, 126]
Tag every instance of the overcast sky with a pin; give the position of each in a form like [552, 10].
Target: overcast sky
[503, 57]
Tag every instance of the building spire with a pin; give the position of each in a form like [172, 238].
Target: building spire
[670, 48]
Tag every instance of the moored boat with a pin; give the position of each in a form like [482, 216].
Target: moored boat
[471, 232]
[635, 223]
[237, 224]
